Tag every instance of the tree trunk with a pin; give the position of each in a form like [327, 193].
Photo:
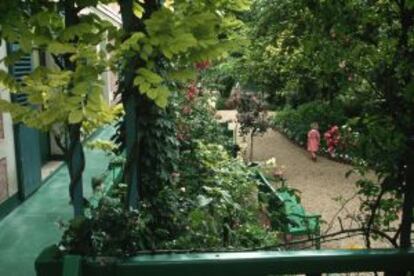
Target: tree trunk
[75, 156]
[76, 166]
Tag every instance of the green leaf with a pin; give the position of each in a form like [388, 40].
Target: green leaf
[151, 93]
[138, 9]
[161, 102]
[203, 200]
[8, 82]
[183, 75]
[150, 76]
[181, 42]
[162, 96]
[61, 48]
[75, 117]
[148, 49]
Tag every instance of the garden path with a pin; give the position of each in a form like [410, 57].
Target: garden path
[34, 224]
[319, 182]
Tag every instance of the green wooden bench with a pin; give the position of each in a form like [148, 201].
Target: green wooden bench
[297, 222]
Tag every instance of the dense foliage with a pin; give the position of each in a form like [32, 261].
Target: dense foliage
[209, 203]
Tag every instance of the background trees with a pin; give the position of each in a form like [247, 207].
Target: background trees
[355, 57]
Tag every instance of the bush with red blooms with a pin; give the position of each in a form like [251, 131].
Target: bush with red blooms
[332, 138]
[192, 92]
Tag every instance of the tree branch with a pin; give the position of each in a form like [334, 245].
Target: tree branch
[372, 217]
[330, 224]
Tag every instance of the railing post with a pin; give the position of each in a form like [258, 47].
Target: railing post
[72, 265]
[131, 129]
[407, 215]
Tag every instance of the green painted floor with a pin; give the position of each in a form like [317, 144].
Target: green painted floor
[34, 224]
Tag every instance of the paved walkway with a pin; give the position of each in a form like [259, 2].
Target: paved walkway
[318, 182]
[34, 224]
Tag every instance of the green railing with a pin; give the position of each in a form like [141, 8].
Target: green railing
[262, 263]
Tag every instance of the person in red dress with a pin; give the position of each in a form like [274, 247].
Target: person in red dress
[314, 139]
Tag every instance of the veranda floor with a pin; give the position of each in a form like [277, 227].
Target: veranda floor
[34, 224]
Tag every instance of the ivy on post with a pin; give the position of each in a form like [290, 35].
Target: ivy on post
[131, 12]
[163, 40]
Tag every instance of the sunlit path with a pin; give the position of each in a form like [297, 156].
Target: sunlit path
[320, 183]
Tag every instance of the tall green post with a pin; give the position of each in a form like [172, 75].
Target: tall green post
[129, 101]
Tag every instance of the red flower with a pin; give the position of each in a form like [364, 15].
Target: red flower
[191, 92]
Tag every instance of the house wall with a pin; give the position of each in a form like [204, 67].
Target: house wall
[8, 174]
[110, 13]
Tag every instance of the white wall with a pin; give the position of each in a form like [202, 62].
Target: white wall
[7, 149]
[111, 14]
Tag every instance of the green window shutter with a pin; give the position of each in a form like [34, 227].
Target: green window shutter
[28, 156]
[19, 69]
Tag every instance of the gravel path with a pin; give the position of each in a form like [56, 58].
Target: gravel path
[319, 182]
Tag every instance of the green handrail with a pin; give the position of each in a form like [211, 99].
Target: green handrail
[258, 263]
[270, 263]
